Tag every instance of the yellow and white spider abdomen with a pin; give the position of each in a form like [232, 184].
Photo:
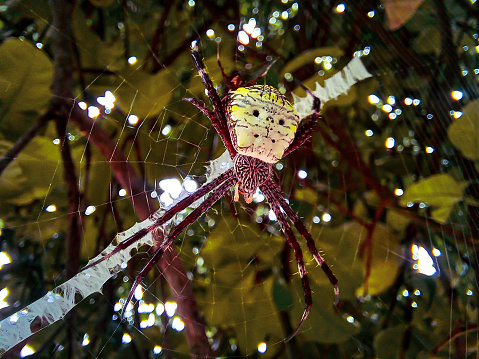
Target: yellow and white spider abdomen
[261, 121]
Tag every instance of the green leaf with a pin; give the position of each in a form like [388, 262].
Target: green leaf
[94, 52]
[324, 324]
[39, 164]
[440, 191]
[338, 245]
[437, 190]
[238, 244]
[196, 86]
[388, 343]
[441, 214]
[25, 79]
[34, 9]
[463, 131]
[397, 221]
[102, 3]
[245, 306]
[282, 296]
[428, 41]
[12, 182]
[144, 94]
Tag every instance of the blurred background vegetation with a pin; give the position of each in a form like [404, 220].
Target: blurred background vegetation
[92, 123]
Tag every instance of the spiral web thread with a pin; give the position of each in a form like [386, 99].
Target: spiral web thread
[57, 303]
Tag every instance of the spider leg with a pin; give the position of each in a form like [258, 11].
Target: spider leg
[191, 218]
[273, 202]
[273, 190]
[305, 131]
[181, 205]
[200, 106]
[261, 75]
[225, 77]
[219, 120]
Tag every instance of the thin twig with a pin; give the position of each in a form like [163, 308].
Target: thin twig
[157, 37]
[13, 152]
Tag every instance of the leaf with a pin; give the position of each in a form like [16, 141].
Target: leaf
[196, 86]
[25, 78]
[39, 164]
[338, 245]
[12, 182]
[441, 214]
[246, 307]
[397, 221]
[386, 257]
[308, 57]
[21, 9]
[282, 296]
[388, 343]
[428, 41]
[102, 3]
[324, 324]
[144, 94]
[439, 190]
[238, 244]
[463, 131]
[94, 52]
[398, 12]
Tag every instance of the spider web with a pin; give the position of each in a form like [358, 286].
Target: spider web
[399, 265]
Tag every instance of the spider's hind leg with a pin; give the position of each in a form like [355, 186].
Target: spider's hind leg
[275, 192]
[293, 242]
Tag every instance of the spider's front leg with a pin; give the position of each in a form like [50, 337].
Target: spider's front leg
[205, 189]
[168, 241]
[218, 118]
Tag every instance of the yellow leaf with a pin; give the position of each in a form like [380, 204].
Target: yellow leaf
[102, 3]
[308, 57]
[463, 131]
[25, 79]
[144, 94]
[441, 214]
[397, 221]
[386, 257]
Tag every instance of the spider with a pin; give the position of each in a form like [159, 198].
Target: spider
[258, 127]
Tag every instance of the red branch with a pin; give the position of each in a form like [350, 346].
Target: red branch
[453, 335]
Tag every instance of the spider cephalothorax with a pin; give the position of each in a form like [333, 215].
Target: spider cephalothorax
[251, 173]
[258, 127]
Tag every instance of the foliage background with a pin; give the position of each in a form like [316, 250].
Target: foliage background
[236, 268]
